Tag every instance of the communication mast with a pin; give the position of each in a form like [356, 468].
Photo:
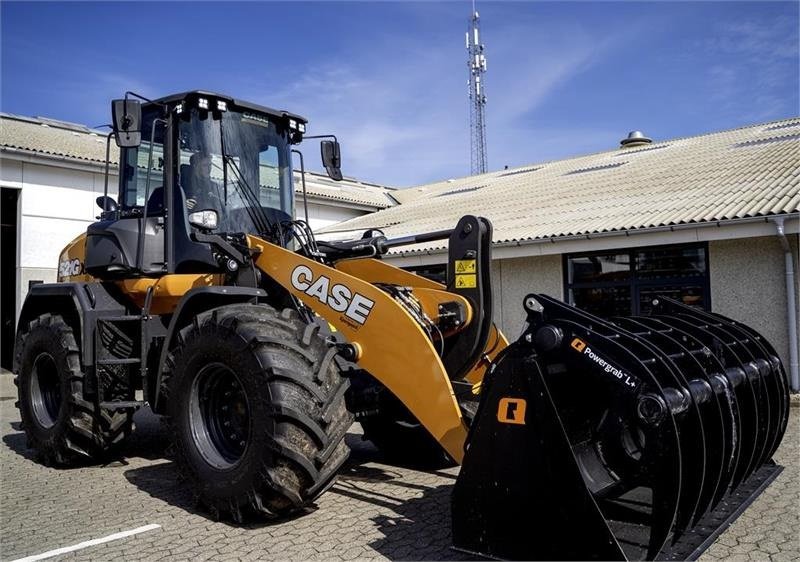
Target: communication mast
[477, 95]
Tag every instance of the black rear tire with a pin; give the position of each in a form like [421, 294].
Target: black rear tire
[61, 424]
[256, 408]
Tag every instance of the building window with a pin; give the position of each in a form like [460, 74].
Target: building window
[624, 282]
[435, 272]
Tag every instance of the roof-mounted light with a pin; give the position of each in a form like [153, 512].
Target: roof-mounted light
[301, 127]
[179, 108]
[222, 105]
[293, 124]
[202, 103]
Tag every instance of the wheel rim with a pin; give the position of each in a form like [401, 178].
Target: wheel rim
[219, 416]
[45, 390]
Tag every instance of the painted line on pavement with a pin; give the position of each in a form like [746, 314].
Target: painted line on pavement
[86, 544]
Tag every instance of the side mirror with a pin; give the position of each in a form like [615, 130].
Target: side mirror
[106, 203]
[331, 158]
[127, 115]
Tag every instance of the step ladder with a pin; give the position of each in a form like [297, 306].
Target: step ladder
[113, 323]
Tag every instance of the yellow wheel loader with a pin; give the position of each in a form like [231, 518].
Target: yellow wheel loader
[260, 345]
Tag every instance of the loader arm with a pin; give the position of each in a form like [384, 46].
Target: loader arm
[384, 334]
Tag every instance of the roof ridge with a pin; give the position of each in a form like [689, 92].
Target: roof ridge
[599, 152]
[53, 122]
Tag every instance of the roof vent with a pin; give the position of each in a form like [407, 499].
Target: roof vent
[635, 138]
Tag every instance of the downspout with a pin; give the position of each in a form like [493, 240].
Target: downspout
[791, 306]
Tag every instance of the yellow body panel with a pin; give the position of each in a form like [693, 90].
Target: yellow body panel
[73, 252]
[168, 290]
[394, 349]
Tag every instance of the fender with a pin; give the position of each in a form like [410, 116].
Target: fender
[80, 304]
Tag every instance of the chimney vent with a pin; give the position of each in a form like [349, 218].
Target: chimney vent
[635, 138]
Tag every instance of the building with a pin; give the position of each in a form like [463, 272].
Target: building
[695, 218]
[51, 172]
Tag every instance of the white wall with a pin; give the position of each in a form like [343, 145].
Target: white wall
[321, 215]
[56, 204]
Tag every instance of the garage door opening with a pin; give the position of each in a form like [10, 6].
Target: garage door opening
[8, 274]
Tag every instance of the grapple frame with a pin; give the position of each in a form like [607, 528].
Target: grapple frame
[635, 437]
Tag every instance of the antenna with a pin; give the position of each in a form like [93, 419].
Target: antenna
[476, 62]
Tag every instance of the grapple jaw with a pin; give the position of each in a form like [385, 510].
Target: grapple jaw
[629, 438]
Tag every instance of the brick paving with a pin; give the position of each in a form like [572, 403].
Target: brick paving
[374, 511]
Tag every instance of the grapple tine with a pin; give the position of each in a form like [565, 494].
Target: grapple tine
[761, 364]
[733, 371]
[709, 367]
[699, 385]
[772, 374]
[783, 384]
[755, 374]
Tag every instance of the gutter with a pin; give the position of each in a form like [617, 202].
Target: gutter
[791, 305]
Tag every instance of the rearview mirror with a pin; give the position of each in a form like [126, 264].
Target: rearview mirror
[331, 158]
[127, 115]
[106, 203]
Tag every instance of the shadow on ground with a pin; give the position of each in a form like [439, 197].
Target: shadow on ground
[414, 529]
[149, 441]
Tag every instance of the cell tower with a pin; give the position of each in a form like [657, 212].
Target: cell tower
[477, 95]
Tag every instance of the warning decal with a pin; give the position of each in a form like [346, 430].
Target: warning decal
[465, 266]
[465, 282]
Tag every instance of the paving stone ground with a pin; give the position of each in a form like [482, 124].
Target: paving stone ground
[375, 510]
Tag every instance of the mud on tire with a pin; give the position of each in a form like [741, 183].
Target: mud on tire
[256, 408]
[61, 424]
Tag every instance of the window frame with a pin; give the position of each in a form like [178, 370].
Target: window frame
[635, 283]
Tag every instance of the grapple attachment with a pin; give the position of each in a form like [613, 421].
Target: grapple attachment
[628, 438]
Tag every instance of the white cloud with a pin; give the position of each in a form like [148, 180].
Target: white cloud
[758, 58]
[400, 107]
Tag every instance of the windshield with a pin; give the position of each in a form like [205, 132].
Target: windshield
[238, 165]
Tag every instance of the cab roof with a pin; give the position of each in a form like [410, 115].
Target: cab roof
[175, 99]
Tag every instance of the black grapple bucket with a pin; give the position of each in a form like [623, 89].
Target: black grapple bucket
[628, 438]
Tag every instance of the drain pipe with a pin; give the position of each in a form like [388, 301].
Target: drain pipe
[791, 306]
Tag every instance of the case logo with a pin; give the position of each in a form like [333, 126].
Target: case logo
[356, 307]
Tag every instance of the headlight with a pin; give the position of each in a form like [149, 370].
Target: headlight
[204, 219]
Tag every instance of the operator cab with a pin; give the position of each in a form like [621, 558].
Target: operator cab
[193, 167]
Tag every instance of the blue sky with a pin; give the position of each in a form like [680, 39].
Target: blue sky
[565, 78]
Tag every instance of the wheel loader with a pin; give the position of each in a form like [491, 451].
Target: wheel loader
[199, 294]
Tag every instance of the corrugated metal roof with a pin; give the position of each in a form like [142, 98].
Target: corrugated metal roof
[76, 142]
[747, 172]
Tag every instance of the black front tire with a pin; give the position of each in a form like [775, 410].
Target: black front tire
[256, 408]
[61, 424]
